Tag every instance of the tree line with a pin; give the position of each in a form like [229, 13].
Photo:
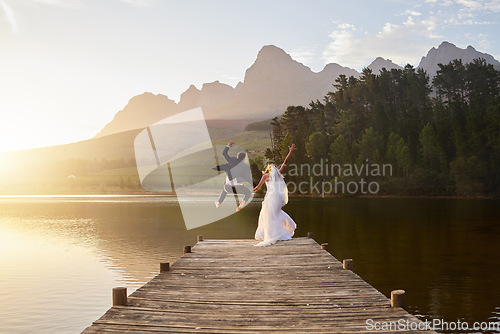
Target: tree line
[442, 137]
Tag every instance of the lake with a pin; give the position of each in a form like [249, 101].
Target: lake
[60, 256]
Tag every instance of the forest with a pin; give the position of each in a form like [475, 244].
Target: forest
[441, 136]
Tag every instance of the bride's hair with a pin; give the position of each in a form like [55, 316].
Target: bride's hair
[267, 169]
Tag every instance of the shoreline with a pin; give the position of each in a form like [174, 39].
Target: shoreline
[395, 196]
[294, 196]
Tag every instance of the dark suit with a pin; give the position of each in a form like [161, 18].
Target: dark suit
[235, 170]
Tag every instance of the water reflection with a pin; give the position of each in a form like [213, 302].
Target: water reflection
[443, 252]
[60, 257]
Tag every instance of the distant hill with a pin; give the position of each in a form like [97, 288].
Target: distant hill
[264, 125]
[118, 146]
[97, 165]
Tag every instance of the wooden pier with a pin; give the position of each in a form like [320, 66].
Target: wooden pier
[230, 286]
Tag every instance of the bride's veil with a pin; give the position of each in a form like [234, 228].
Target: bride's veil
[277, 186]
[274, 223]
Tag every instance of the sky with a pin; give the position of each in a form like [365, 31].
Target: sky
[67, 66]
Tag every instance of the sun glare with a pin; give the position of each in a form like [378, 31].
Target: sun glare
[18, 132]
[8, 242]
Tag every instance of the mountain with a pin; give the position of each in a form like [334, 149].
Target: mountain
[447, 52]
[276, 81]
[141, 111]
[273, 82]
[210, 96]
[379, 63]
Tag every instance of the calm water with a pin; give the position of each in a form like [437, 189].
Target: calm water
[61, 256]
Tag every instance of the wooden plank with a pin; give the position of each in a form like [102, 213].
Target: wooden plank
[230, 286]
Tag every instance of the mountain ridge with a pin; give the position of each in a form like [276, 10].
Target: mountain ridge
[447, 52]
[380, 63]
[272, 83]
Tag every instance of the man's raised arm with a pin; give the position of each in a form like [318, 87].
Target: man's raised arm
[226, 150]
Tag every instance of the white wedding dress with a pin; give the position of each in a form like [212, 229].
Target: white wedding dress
[274, 223]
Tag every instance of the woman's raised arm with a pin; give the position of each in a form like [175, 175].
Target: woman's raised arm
[291, 149]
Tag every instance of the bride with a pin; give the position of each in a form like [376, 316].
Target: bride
[274, 223]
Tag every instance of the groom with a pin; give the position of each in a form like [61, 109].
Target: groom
[236, 175]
